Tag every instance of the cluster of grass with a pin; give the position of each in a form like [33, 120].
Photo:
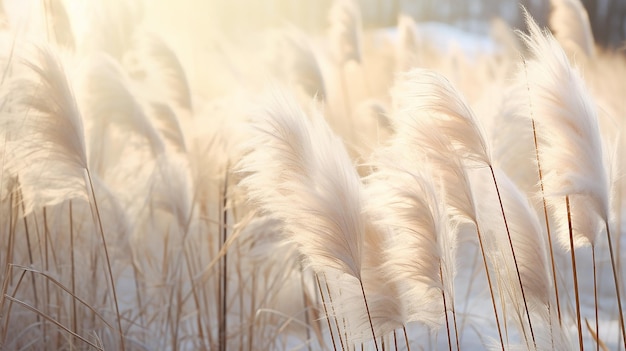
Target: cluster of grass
[163, 188]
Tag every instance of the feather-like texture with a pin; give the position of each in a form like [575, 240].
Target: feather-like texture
[170, 188]
[167, 122]
[448, 169]
[47, 148]
[108, 98]
[294, 58]
[345, 31]
[299, 171]
[428, 97]
[571, 147]
[61, 26]
[513, 141]
[532, 260]
[113, 26]
[160, 67]
[383, 294]
[405, 202]
[530, 248]
[570, 23]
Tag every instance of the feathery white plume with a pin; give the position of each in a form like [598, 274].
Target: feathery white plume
[108, 99]
[293, 57]
[532, 259]
[160, 68]
[345, 31]
[383, 294]
[570, 23]
[530, 248]
[167, 123]
[405, 202]
[60, 23]
[571, 149]
[298, 171]
[429, 97]
[47, 147]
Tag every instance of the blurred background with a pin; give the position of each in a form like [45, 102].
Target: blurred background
[608, 17]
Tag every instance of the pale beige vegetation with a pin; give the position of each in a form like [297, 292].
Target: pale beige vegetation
[169, 185]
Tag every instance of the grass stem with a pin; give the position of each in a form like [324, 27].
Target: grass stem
[330, 329]
[369, 316]
[616, 281]
[519, 276]
[108, 261]
[575, 274]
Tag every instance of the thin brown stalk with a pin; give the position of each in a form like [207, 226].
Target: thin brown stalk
[369, 316]
[224, 269]
[6, 296]
[196, 300]
[241, 281]
[545, 214]
[73, 272]
[50, 319]
[108, 260]
[445, 308]
[252, 313]
[330, 329]
[306, 308]
[573, 255]
[11, 243]
[46, 241]
[395, 339]
[519, 276]
[58, 284]
[28, 247]
[179, 312]
[616, 280]
[456, 329]
[345, 330]
[493, 298]
[332, 307]
[138, 291]
[543, 198]
[595, 292]
[504, 315]
[406, 338]
[595, 337]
